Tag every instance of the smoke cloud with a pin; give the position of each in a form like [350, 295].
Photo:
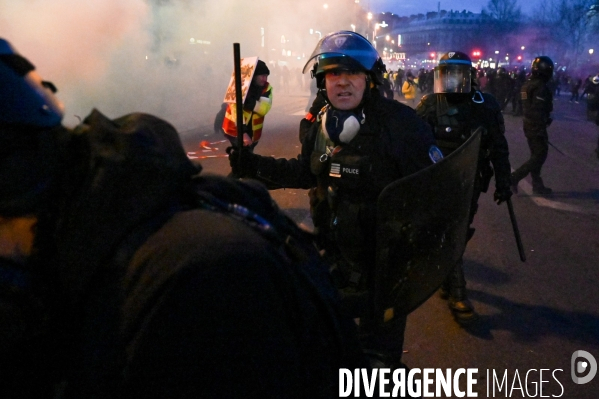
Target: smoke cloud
[171, 58]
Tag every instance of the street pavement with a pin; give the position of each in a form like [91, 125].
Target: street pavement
[533, 315]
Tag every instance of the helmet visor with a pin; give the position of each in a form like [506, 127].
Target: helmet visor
[452, 79]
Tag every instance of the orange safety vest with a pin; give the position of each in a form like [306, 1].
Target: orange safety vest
[262, 107]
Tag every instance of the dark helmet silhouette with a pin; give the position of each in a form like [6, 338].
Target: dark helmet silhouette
[542, 66]
[454, 73]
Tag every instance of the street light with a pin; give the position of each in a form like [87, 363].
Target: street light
[376, 27]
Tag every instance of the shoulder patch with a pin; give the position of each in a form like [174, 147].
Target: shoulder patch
[435, 154]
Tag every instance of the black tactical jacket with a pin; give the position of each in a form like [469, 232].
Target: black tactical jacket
[537, 102]
[178, 295]
[391, 143]
[454, 118]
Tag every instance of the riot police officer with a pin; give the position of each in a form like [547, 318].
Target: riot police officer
[537, 103]
[592, 91]
[503, 87]
[359, 143]
[454, 111]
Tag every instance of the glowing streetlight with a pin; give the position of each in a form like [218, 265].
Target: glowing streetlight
[591, 51]
[376, 27]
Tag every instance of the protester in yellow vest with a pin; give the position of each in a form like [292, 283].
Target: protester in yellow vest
[256, 106]
[409, 89]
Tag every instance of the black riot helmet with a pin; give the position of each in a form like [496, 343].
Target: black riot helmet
[345, 50]
[542, 67]
[454, 73]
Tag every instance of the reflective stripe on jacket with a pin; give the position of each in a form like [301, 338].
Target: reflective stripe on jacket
[261, 108]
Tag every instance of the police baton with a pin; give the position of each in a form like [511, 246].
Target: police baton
[556, 149]
[238, 98]
[510, 208]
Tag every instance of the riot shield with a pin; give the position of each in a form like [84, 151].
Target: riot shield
[422, 220]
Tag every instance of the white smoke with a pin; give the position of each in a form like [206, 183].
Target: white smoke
[138, 55]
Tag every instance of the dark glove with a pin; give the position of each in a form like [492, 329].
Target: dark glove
[248, 166]
[502, 195]
[249, 104]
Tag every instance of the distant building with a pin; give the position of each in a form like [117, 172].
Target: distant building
[428, 36]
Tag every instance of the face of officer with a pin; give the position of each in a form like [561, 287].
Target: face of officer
[345, 89]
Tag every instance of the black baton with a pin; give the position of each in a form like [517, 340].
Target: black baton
[556, 149]
[510, 208]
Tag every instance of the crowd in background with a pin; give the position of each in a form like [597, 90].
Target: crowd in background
[503, 83]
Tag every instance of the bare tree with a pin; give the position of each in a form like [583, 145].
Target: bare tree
[505, 16]
[504, 11]
[571, 26]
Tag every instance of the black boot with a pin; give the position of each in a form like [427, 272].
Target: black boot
[538, 187]
[458, 302]
[544, 191]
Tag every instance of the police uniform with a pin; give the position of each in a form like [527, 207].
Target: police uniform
[454, 112]
[345, 180]
[348, 157]
[453, 118]
[537, 103]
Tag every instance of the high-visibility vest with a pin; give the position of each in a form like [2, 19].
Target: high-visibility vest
[261, 108]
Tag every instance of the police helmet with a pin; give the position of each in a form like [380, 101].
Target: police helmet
[542, 67]
[30, 115]
[454, 73]
[345, 50]
[25, 99]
